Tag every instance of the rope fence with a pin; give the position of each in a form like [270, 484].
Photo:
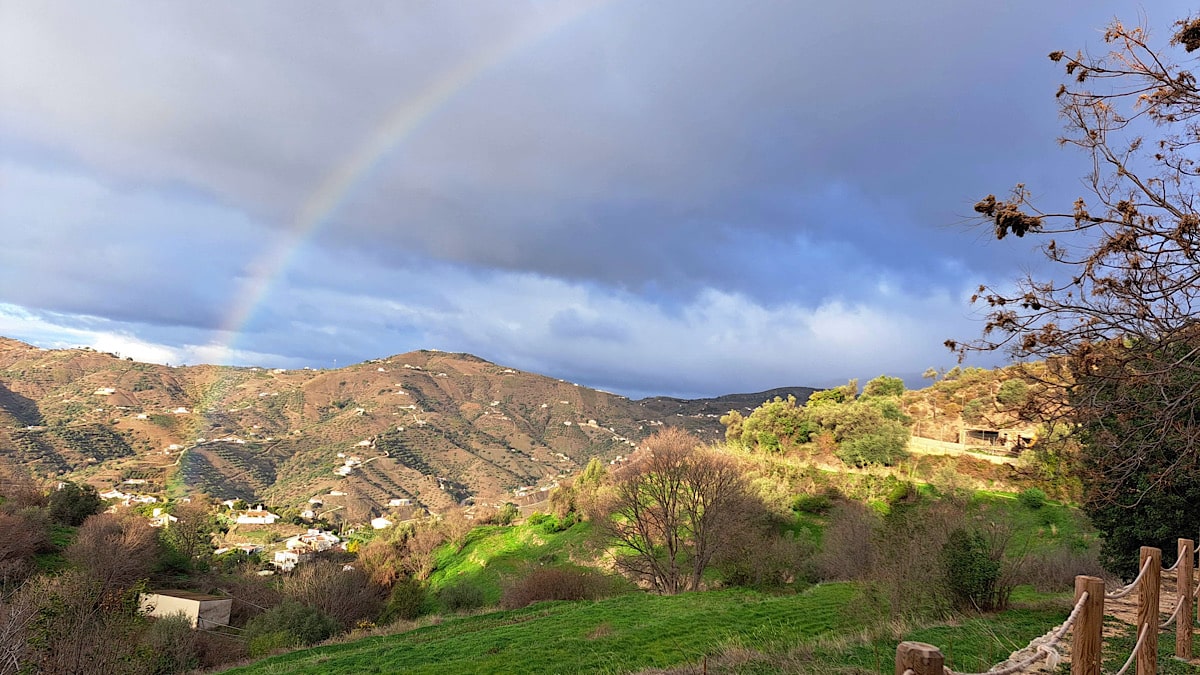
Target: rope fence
[1122, 592]
[1085, 623]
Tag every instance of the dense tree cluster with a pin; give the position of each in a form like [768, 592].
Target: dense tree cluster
[861, 429]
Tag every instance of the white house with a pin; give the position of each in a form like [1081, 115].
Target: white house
[256, 516]
[287, 560]
[399, 501]
[203, 611]
[313, 540]
[161, 519]
[380, 523]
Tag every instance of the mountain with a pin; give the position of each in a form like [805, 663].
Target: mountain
[427, 429]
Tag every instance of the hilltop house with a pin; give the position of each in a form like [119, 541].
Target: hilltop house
[203, 611]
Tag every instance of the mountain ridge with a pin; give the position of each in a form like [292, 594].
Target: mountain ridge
[421, 429]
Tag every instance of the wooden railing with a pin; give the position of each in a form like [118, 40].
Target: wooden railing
[1086, 624]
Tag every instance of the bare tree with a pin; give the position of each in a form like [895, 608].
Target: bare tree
[672, 509]
[115, 551]
[22, 536]
[1120, 330]
[346, 595]
[1133, 252]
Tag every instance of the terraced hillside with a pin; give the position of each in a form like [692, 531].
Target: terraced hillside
[426, 428]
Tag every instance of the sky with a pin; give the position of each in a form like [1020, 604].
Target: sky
[651, 198]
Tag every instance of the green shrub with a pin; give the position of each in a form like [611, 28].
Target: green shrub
[407, 602]
[886, 447]
[267, 643]
[461, 597]
[1032, 498]
[972, 575]
[812, 504]
[973, 410]
[1013, 392]
[288, 624]
[903, 492]
[72, 503]
[550, 524]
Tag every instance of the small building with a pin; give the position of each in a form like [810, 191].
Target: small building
[256, 516]
[287, 560]
[381, 523]
[162, 519]
[203, 611]
[313, 540]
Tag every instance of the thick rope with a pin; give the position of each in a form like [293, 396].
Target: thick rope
[1118, 594]
[1174, 615]
[1172, 568]
[1136, 648]
[1045, 650]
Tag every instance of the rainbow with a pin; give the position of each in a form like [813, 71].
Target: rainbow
[397, 126]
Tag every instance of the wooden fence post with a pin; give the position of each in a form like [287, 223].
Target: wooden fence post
[920, 658]
[1147, 658]
[1183, 587]
[1087, 633]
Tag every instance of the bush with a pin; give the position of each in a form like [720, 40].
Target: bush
[169, 645]
[461, 597]
[346, 596]
[903, 492]
[1032, 498]
[886, 445]
[549, 524]
[767, 561]
[846, 554]
[407, 602]
[289, 624]
[1013, 392]
[72, 503]
[972, 575]
[812, 504]
[555, 583]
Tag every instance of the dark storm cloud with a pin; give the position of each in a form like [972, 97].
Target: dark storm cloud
[674, 197]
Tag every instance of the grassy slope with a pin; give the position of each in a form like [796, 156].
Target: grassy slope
[638, 631]
[492, 554]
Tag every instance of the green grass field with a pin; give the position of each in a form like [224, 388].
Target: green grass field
[813, 631]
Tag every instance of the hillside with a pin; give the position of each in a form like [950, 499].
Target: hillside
[426, 429]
